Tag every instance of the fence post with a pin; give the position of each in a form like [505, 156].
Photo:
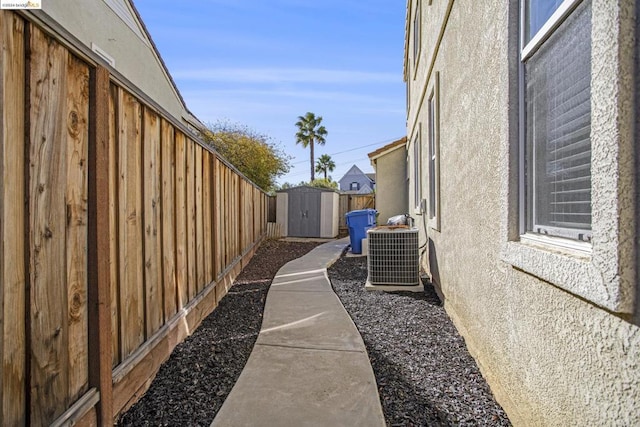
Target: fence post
[99, 232]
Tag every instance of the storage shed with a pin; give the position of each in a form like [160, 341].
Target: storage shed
[308, 212]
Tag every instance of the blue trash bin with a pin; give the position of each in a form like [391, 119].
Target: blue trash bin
[358, 223]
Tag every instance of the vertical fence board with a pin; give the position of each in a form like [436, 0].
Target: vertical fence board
[207, 225]
[191, 219]
[181, 221]
[174, 217]
[256, 214]
[225, 220]
[255, 224]
[241, 217]
[77, 125]
[130, 225]
[248, 209]
[168, 220]
[227, 200]
[47, 176]
[99, 241]
[199, 206]
[237, 215]
[152, 197]
[217, 221]
[232, 204]
[218, 213]
[114, 182]
[12, 222]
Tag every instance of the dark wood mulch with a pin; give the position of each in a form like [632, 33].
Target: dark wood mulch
[425, 375]
[424, 372]
[192, 384]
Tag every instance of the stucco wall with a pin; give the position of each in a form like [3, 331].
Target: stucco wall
[95, 22]
[391, 183]
[552, 355]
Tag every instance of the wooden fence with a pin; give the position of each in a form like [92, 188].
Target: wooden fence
[119, 233]
[353, 202]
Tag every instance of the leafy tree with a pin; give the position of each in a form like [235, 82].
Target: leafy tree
[324, 183]
[253, 154]
[309, 133]
[285, 186]
[319, 182]
[325, 165]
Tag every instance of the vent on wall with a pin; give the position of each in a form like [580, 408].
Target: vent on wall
[393, 257]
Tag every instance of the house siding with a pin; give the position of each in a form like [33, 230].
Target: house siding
[553, 354]
[391, 183]
[356, 175]
[133, 54]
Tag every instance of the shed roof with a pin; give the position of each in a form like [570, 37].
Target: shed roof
[307, 188]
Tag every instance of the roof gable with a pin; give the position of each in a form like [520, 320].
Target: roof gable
[126, 11]
[121, 39]
[354, 174]
[388, 148]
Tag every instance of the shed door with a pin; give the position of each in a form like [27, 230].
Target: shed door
[304, 214]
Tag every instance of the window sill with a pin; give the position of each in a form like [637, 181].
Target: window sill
[569, 247]
[571, 266]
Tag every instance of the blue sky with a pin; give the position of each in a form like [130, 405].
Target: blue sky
[264, 63]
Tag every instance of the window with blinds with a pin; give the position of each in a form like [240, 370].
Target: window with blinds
[557, 103]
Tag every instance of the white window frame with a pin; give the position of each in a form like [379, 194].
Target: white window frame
[603, 272]
[417, 33]
[563, 11]
[433, 143]
[417, 172]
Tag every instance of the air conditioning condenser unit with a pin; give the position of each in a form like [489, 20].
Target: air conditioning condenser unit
[393, 260]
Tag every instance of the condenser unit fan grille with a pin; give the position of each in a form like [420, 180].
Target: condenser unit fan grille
[393, 257]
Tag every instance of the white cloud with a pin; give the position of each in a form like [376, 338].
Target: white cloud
[285, 75]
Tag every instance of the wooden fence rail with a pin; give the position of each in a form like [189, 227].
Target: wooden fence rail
[119, 233]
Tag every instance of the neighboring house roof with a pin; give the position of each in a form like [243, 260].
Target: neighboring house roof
[109, 38]
[354, 170]
[366, 182]
[387, 148]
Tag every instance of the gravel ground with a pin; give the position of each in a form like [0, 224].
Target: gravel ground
[425, 375]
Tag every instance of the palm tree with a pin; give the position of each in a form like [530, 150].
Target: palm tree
[310, 132]
[325, 164]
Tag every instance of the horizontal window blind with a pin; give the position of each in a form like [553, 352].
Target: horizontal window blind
[558, 120]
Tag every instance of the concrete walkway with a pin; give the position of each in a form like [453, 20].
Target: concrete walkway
[309, 366]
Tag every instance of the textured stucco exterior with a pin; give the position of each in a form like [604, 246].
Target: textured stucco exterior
[95, 23]
[554, 330]
[391, 181]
